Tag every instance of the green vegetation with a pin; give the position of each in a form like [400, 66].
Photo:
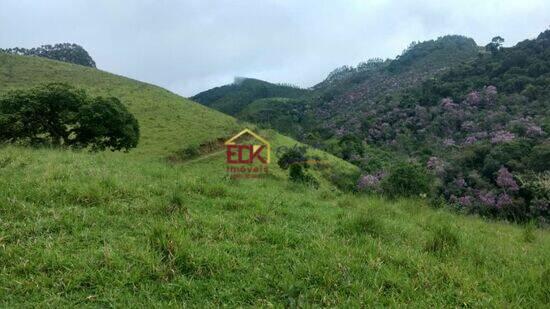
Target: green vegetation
[167, 121]
[232, 99]
[81, 229]
[406, 180]
[296, 161]
[471, 115]
[59, 115]
[338, 100]
[136, 229]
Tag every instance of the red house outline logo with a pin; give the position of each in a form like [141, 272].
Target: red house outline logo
[247, 153]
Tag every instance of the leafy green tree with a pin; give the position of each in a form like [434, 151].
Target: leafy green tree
[539, 159]
[60, 115]
[40, 115]
[351, 147]
[495, 45]
[406, 179]
[105, 123]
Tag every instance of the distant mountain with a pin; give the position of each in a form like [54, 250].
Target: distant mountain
[341, 97]
[233, 98]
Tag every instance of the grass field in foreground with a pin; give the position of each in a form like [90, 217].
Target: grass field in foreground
[104, 230]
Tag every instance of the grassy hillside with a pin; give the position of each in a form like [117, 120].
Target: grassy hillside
[101, 230]
[167, 121]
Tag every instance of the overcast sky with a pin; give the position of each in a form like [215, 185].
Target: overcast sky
[189, 46]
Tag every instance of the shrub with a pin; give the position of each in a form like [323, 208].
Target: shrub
[345, 181]
[406, 179]
[60, 115]
[297, 174]
[188, 153]
[295, 160]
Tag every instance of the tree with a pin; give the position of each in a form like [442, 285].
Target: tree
[105, 123]
[495, 45]
[60, 115]
[296, 161]
[406, 179]
[351, 146]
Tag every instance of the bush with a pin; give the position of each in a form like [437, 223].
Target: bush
[345, 181]
[406, 179]
[60, 115]
[297, 174]
[188, 153]
[296, 161]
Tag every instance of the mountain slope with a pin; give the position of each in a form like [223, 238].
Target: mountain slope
[336, 104]
[167, 121]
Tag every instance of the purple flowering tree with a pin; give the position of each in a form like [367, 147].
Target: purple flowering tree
[534, 130]
[370, 182]
[470, 140]
[466, 200]
[473, 98]
[487, 198]
[436, 164]
[449, 142]
[448, 104]
[506, 181]
[503, 200]
[490, 94]
[502, 137]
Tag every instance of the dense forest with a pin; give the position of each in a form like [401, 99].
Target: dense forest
[476, 118]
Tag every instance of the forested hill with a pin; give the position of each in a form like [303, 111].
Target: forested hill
[334, 102]
[481, 127]
[233, 98]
